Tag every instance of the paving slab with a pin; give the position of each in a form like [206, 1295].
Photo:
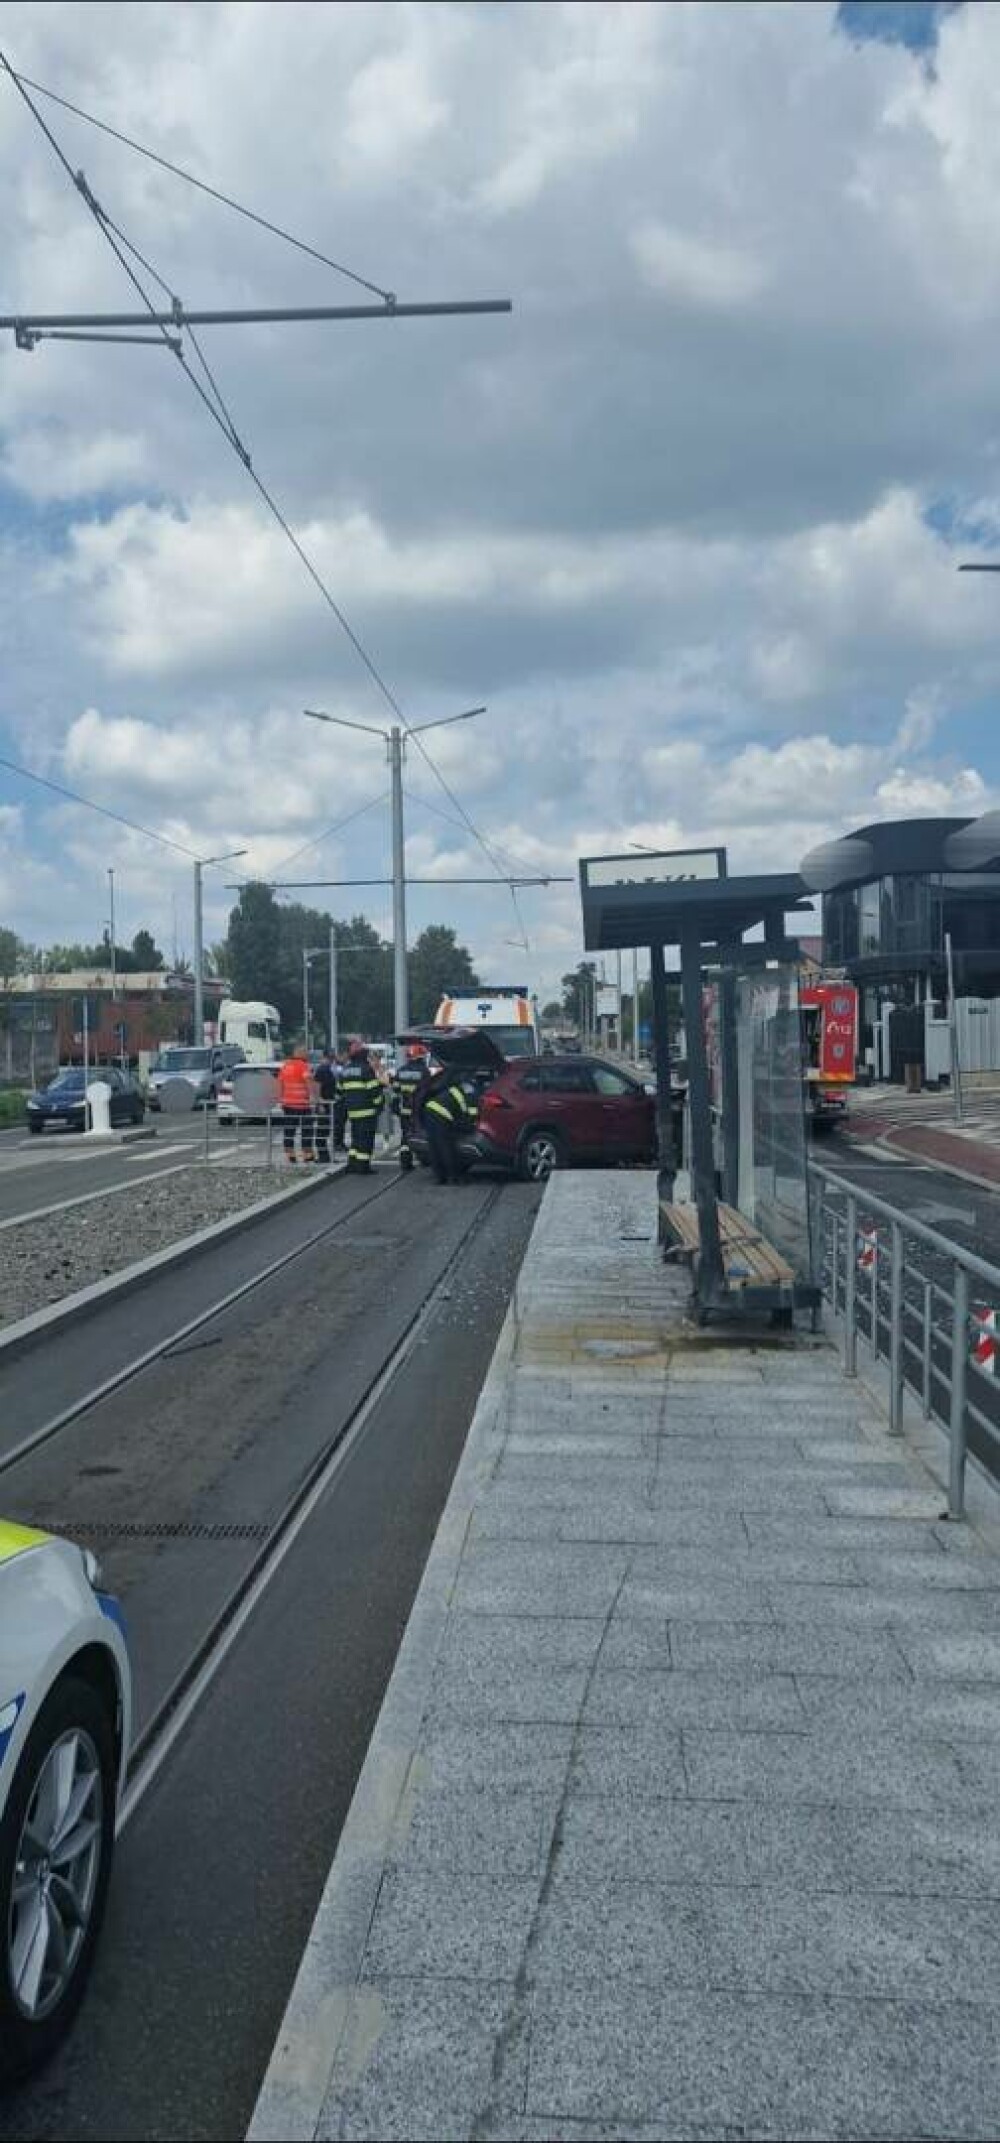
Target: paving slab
[681, 1815]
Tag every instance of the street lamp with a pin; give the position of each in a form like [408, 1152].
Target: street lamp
[199, 955]
[395, 739]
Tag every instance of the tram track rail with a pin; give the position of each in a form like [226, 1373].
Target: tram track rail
[269, 1544]
[171, 1341]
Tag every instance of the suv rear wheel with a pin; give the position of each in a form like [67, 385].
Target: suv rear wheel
[538, 1154]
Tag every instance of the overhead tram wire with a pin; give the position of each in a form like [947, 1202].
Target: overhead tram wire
[224, 424]
[221, 417]
[72, 796]
[215, 192]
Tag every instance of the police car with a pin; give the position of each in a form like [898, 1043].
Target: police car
[65, 1720]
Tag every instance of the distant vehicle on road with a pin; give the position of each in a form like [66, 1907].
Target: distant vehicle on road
[65, 1723]
[202, 1068]
[227, 1101]
[829, 1013]
[540, 1113]
[63, 1101]
[504, 1008]
[251, 1026]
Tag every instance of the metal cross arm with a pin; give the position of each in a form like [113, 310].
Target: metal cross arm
[29, 327]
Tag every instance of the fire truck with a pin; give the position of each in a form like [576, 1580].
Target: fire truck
[830, 1045]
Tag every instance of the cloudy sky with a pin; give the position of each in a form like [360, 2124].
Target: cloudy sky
[687, 520]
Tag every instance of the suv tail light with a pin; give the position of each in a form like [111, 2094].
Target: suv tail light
[493, 1100]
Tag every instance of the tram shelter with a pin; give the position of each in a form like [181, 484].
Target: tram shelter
[688, 899]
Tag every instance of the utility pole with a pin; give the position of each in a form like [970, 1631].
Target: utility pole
[635, 1004]
[956, 1070]
[111, 933]
[334, 1038]
[395, 739]
[305, 997]
[199, 950]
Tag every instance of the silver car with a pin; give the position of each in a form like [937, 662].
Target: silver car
[202, 1070]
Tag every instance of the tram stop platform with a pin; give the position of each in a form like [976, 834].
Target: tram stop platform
[680, 1818]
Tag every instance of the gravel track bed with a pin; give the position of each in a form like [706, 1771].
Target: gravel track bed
[41, 1261]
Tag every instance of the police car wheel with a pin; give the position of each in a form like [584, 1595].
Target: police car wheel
[56, 1844]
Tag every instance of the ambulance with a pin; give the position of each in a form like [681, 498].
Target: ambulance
[505, 1010]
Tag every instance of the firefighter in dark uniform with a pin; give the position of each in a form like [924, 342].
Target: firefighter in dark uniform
[325, 1081]
[445, 1111]
[364, 1101]
[408, 1078]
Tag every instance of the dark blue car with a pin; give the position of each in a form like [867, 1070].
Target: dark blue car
[63, 1100]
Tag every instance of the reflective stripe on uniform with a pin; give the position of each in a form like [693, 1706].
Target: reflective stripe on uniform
[16, 1539]
[438, 1108]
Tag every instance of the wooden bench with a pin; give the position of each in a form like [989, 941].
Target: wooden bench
[749, 1260]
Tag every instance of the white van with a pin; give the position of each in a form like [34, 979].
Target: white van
[255, 1028]
[505, 1009]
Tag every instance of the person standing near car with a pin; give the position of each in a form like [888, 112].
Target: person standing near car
[364, 1101]
[445, 1111]
[407, 1080]
[295, 1094]
[325, 1078]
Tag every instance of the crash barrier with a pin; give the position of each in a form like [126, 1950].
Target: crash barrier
[257, 1120]
[921, 1304]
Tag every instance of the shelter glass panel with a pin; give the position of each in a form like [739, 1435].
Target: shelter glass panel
[773, 1151]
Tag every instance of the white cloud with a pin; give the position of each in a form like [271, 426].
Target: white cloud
[677, 519]
[696, 271]
[58, 461]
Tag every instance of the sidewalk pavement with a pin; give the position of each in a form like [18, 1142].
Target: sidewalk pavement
[681, 1817]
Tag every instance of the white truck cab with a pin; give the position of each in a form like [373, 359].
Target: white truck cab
[253, 1026]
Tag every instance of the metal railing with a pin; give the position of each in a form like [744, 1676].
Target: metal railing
[927, 1308]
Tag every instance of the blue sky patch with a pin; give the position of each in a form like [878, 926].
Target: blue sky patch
[914, 23]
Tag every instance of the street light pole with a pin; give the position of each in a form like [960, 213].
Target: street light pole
[395, 739]
[400, 978]
[199, 950]
[305, 997]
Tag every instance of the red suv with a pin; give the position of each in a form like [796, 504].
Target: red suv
[540, 1113]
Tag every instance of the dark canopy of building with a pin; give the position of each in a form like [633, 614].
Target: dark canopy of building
[892, 892]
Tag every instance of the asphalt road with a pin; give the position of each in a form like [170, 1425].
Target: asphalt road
[220, 1870]
[39, 1172]
[966, 1212]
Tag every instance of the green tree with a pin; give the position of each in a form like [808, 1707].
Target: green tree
[552, 1013]
[145, 957]
[255, 944]
[577, 988]
[10, 957]
[436, 964]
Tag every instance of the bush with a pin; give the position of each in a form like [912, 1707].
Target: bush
[11, 1106]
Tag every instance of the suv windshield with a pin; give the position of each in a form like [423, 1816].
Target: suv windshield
[182, 1060]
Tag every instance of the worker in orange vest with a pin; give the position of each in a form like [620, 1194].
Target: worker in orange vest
[295, 1090]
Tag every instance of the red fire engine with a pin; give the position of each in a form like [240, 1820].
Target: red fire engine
[830, 1046]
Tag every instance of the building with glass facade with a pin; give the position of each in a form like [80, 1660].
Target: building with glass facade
[893, 892]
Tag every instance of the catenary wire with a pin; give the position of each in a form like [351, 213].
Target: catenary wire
[120, 820]
[228, 431]
[203, 187]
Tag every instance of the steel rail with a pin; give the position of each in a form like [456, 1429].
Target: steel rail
[164, 1728]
